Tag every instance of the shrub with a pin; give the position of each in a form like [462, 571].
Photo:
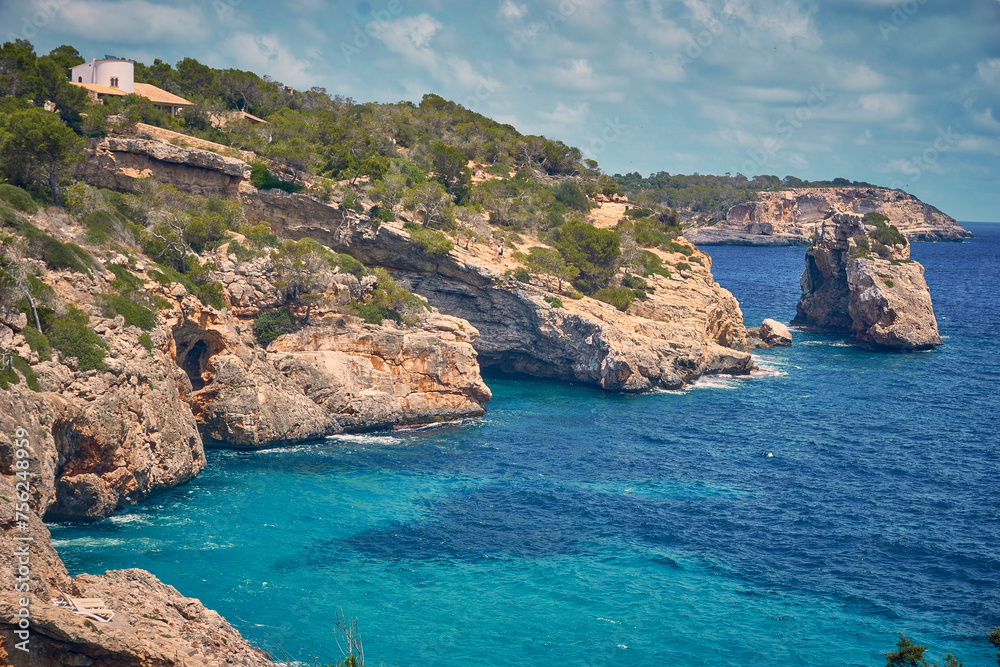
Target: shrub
[673, 246]
[242, 253]
[554, 301]
[262, 179]
[146, 341]
[862, 241]
[38, 343]
[271, 324]
[639, 213]
[350, 202]
[889, 283]
[881, 250]
[125, 280]
[18, 198]
[72, 338]
[593, 251]
[634, 282]
[8, 376]
[374, 314]
[101, 227]
[619, 297]
[348, 264]
[884, 233]
[55, 254]
[569, 193]
[431, 242]
[260, 236]
[135, 315]
[381, 213]
[522, 275]
[683, 266]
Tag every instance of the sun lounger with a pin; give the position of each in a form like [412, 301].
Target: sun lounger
[90, 607]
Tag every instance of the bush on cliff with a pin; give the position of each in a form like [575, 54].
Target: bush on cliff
[884, 232]
[18, 198]
[619, 297]
[593, 251]
[262, 179]
[38, 343]
[431, 242]
[271, 324]
[71, 336]
[135, 315]
[10, 364]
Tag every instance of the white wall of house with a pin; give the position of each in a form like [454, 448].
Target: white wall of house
[107, 73]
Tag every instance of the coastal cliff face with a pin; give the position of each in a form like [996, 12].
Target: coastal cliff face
[792, 217]
[688, 327]
[857, 279]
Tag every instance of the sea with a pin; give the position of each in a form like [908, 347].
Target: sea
[805, 515]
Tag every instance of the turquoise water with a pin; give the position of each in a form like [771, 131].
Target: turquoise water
[803, 516]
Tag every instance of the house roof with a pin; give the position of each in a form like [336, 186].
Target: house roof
[160, 96]
[150, 92]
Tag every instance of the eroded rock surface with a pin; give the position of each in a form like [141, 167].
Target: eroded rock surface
[792, 217]
[854, 282]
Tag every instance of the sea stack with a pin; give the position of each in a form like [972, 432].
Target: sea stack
[859, 278]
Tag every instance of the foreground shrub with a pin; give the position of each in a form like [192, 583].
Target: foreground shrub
[431, 242]
[18, 198]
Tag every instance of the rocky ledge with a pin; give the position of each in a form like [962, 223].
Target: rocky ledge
[859, 278]
[792, 217]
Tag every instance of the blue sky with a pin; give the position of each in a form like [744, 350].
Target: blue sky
[904, 94]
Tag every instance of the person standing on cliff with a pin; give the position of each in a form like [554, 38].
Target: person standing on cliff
[500, 247]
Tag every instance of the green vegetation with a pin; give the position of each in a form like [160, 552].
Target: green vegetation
[889, 283]
[18, 198]
[10, 365]
[521, 275]
[884, 233]
[271, 324]
[37, 149]
[594, 252]
[71, 337]
[683, 266]
[554, 301]
[135, 315]
[619, 297]
[431, 242]
[38, 343]
[390, 300]
[146, 341]
[708, 197]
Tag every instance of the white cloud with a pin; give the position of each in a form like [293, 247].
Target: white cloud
[131, 21]
[510, 10]
[989, 70]
[566, 115]
[266, 54]
[884, 106]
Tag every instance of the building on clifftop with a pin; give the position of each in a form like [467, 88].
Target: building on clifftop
[113, 77]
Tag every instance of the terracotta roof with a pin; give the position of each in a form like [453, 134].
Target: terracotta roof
[160, 96]
[102, 90]
[150, 92]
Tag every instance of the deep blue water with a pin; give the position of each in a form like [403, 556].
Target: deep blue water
[801, 517]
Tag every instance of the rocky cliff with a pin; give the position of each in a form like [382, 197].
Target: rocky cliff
[688, 326]
[859, 278]
[792, 217]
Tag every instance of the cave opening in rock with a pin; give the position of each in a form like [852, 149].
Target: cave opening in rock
[193, 364]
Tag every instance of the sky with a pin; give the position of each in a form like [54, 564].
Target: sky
[902, 94]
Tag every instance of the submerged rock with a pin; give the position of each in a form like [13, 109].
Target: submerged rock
[859, 278]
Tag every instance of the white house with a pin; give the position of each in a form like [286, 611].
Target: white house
[111, 77]
[106, 72]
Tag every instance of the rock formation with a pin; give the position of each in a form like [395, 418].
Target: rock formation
[791, 217]
[859, 277]
[688, 327]
[770, 333]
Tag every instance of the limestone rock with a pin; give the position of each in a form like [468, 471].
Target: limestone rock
[686, 328]
[853, 282]
[367, 376]
[792, 217]
[770, 333]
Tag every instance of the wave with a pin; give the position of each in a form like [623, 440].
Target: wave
[366, 439]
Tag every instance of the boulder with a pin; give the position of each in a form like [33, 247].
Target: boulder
[774, 333]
